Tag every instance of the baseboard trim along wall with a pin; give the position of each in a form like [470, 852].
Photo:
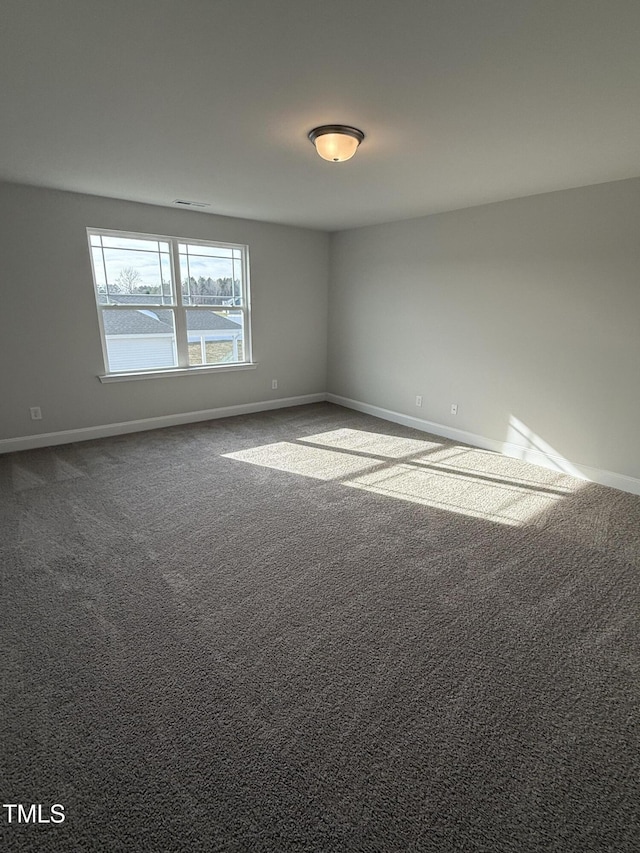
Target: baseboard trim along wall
[49, 439]
[506, 448]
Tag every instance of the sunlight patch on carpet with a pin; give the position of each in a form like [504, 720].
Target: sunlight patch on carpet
[492, 465]
[456, 478]
[505, 503]
[320, 463]
[377, 444]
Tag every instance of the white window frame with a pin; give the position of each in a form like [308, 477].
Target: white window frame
[179, 309]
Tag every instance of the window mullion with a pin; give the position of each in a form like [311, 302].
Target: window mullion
[179, 313]
[247, 343]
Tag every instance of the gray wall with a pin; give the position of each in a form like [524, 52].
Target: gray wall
[49, 338]
[528, 309]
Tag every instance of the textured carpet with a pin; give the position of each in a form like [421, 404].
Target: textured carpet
[311, 630]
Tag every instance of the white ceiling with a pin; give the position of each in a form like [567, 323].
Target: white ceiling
[462, 101]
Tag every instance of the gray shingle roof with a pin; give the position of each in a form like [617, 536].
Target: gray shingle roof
[147, 321]
[200, 320]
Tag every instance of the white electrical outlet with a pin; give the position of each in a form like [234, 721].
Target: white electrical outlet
[454, 408]
[36, 413]
[418, 400]
[274, 384]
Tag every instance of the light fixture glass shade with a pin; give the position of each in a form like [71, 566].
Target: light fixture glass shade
[336, 142]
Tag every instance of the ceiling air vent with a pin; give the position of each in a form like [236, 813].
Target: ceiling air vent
[183, 203]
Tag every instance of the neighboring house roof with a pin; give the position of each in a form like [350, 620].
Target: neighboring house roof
[146, 321]
[201, 320]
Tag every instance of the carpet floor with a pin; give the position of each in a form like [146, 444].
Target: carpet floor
[312, 630]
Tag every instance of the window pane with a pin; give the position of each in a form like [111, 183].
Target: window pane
[211, 281]
[133, 271]
[118, 242]
[98, 267]
[95, 240]
[185, 280]
[140, 339]
[237, 283]
[215, 337]
[207, 251]
[165, 271]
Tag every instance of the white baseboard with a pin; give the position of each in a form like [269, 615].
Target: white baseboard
[506, 448]
[535, 456]
[49, 439]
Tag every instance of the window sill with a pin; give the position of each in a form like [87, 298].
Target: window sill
[175, 371]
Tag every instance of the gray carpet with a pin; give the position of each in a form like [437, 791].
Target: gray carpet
[312, 630]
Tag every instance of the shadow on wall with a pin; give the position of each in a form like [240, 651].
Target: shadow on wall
[435, 473]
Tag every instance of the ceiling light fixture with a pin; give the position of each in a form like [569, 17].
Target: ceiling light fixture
[336, 142]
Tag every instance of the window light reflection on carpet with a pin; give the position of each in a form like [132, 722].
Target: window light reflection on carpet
[453, 478]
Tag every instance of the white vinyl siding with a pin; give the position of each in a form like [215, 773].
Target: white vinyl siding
[137, 353]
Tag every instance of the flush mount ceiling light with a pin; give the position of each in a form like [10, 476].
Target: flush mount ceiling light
[336, 142]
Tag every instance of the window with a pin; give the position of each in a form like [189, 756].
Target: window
[170, 305]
